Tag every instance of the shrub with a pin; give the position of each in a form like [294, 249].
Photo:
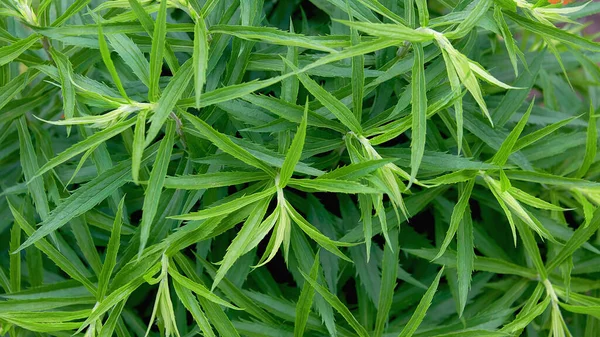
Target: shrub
[299, 168]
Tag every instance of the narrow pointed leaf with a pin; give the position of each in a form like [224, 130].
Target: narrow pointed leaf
[155, 184]
[419, 314]
[457, 215]
[65, 71]
[112, 251]
[227, 207]
[156, 53]
[465, 258]
[212, 180]
[84, 145]
[294, 152]
[591, 145]
[337, 305]
[227, 145]
[198, 289]
[168, 99]
[419, 111]
[336, 107]
[305, 300]
[506, 148]
[200, 57]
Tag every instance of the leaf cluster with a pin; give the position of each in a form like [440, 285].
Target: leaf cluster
[299, 168]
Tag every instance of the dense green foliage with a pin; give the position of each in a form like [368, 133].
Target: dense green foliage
[298, 168]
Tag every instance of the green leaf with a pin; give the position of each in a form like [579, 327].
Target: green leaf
[15, 259]
[200, 57]
[358, 77]
[365, 203]
[146, 21]
[505, 184]
[143, 16]
[118, 295]
[395, 31]
[82, 146]
[214, 313]
[514, 99]
[240, 90]
[294, 152]
[423, 13]
[191, 304]
[228, 207]
[29, 162]
[389, 273]
[305, 300]
[509, 41]
[199, 289]
[155, 185]
[227, 145]
[473, 333]
[381, 9]
[236, 295]
[581, 236]
[290, 85]
[231, 92]
[244, 241]
[385, 109]
[209, 5]
[419, 313]
[13, 88]
[83, 199]
[554, 33]
[52, 253]
[156, 53]
[531, 310]
[138, 145]
[458, 104]
[457, 215]
[590, 145]
[355, 170]
[550, 179]
[507, 200]
[109, 326]
[506, 148]
[533, 201]
[293, 112]
[486, 76]
[462, 66]
[314, 233]
[35, 268]
[339, 109]
[465, 257]
[580, 309]
[65, 71]
[271, 35]
[85, 242]
[588, 208]
[531, 248]
[132, 55]
[168, 99]
[475, 13]
[112, 250]
[11, 52]
[212, 180]
[418, 112]
[74, 8]
[4, 281]
[337, 305]
[332, 186]
[539, 134]
[105, 53]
